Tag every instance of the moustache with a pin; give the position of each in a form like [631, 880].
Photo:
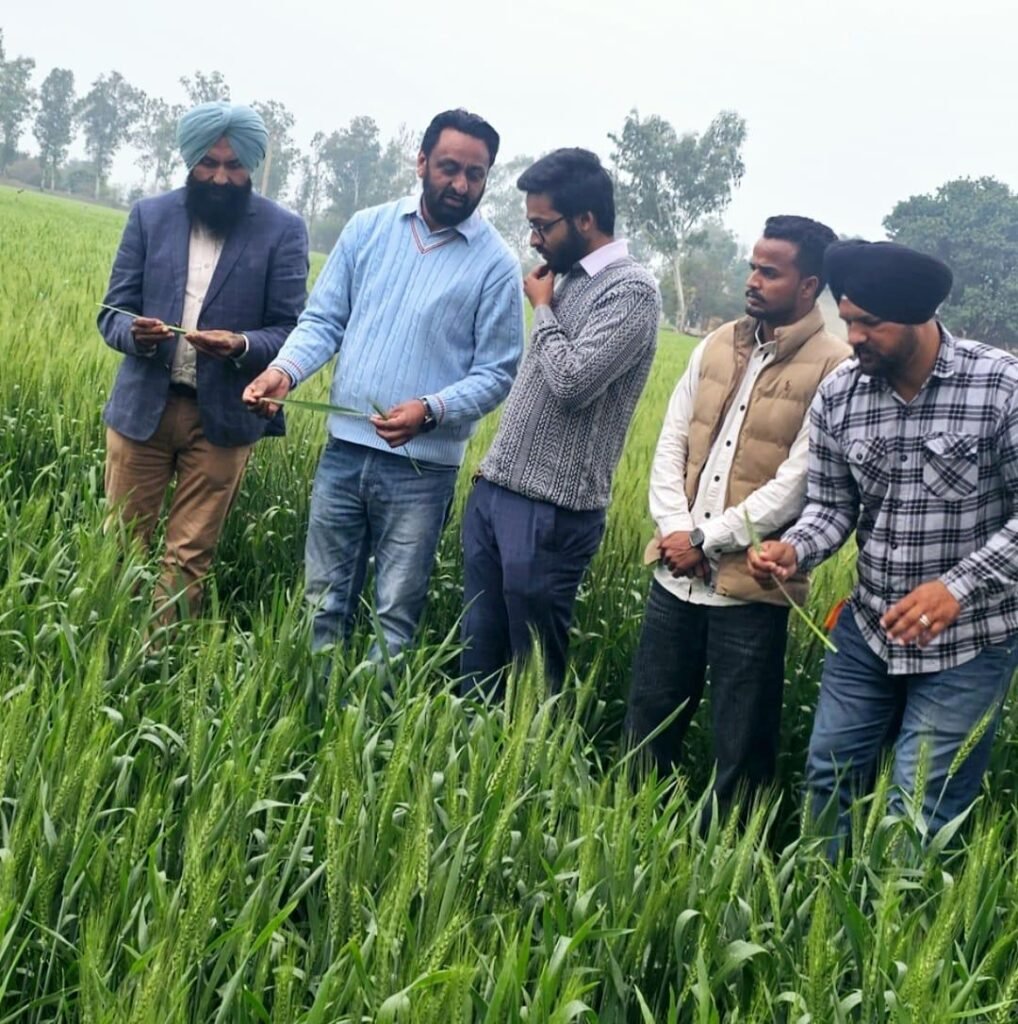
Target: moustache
[750, 294]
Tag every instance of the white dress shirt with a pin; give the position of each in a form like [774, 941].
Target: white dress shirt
[203, 255]
[769, 507]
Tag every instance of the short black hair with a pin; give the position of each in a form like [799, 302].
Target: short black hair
[461, 120]
[810, 237]
[575, 182]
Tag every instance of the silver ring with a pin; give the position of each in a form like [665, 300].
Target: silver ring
[924, 621]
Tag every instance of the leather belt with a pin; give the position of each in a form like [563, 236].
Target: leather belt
[184, 390]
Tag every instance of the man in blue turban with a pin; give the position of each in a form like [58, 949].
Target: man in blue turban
[195, 325]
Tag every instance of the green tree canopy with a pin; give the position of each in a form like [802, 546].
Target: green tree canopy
[54, 122]
[107, 114]
[16, 99]
[668, 184]
[972, 225]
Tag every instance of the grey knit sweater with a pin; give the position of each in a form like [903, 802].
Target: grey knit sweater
[565, 421]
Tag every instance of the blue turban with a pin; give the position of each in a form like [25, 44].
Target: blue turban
[201, 128]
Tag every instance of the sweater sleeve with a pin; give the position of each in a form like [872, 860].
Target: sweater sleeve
[613, 339]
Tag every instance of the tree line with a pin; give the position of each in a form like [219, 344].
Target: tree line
[672, 188]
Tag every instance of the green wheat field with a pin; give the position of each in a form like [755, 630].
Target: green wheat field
[202, 831]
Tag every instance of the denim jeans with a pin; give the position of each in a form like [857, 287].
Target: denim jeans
[744, 646]
[861, 704]
[523, 561]
[370, 502]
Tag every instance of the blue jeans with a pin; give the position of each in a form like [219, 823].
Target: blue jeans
[523, 561]
[370, 502]
[860, 706]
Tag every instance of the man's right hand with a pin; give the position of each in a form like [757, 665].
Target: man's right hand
[269, 384]
[774, 561]
[147, 331]
[678, 555]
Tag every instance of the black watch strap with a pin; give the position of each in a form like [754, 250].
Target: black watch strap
[429, 422]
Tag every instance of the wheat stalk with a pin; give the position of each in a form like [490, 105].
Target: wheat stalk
[796, 607]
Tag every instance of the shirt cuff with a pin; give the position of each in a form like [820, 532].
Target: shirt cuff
[962, 584]
[806, 551]
[544, 317]
[717, 538]
[238, 361]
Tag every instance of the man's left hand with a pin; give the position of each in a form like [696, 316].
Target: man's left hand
[217, 344]
[921, 615]
[539, 286]
[400, 423]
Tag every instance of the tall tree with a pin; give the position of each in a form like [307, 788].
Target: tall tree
[204, 88]
[669, 184]
[399, 162]
[311, 187]
[155, 137]
[16, 98]
[972, 225]
[713, 276]
[504, 206]
[354, 159]
[107, 114]
[54, 122]
[280, 154]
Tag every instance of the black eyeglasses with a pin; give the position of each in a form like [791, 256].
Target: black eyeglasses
[541, 229]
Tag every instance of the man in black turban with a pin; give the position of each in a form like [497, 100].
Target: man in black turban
[888, 295]
[914, 447]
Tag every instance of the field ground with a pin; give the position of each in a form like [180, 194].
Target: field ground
[199, 833]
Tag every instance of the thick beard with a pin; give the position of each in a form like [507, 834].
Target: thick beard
[569, 253]
[446, 216]
[217, 207]
[892, 367]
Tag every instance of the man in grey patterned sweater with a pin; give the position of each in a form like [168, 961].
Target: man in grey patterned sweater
[537, 511]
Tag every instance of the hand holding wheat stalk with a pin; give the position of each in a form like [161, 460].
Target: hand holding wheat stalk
[174, 328]
[754, 539]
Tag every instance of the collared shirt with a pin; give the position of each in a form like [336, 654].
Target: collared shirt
[596, 261]
[204, 251]
[413, 314]
[724, 527]
[931, 488]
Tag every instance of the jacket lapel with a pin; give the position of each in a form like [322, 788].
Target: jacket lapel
[180, 245]
[236, 243]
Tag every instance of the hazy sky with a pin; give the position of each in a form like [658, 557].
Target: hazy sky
[850, 106]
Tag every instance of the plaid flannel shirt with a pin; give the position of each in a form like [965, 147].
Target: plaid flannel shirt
[931, 488]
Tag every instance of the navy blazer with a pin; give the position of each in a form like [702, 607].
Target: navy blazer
[258, 289]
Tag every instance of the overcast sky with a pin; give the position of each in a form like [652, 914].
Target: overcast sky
[849, 106]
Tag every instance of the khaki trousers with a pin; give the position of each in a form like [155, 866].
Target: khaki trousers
[208, 477]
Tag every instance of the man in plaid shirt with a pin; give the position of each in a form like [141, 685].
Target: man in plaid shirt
[914, 445]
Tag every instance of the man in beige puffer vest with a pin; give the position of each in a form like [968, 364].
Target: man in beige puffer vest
[732, 452]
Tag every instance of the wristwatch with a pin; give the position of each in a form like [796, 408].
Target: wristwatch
[696, 537]
[429, 422]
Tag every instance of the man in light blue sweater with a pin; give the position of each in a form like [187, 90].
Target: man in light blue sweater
[422, 302]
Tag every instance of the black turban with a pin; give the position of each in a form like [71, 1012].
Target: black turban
[888, 280]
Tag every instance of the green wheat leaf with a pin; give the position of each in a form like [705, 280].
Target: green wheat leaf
[116, 309]
[754, 538]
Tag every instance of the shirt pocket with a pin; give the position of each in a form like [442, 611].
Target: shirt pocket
[867, 458]
[951, 464]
